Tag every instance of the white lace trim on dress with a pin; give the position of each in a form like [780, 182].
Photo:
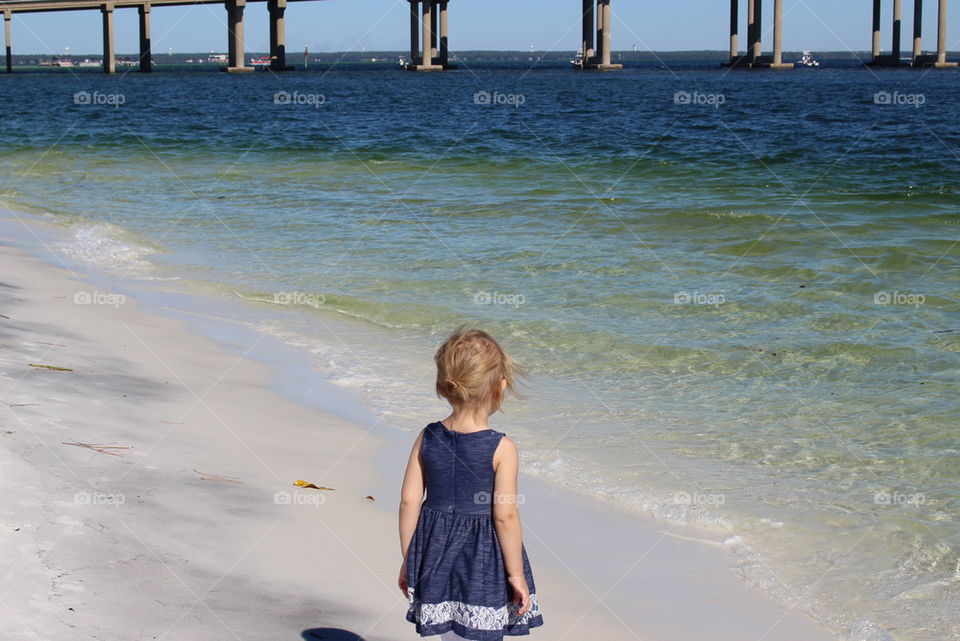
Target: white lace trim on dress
[477, 617]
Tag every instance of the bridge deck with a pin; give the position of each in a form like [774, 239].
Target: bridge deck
[34, 6]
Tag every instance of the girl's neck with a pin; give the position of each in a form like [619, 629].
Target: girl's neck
[461, 420]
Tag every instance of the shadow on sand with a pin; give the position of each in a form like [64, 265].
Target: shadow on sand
[329, 634]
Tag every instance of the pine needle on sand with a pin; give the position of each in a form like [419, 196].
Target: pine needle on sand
[220, 478]
[103, 448]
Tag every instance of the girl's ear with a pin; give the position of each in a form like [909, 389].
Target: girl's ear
[503, 385]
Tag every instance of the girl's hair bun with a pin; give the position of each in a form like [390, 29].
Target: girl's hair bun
[457, 389]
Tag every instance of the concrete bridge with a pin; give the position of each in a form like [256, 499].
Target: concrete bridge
[429, 38]
[235, 57]
[918, 59]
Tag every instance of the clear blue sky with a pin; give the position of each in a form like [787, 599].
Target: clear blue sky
[341, 25]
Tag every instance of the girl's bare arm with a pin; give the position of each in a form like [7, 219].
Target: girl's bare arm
[506, 516]
[506, 520]
[411, 496]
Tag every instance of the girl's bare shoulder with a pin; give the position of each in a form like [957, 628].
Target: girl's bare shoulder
[506, 451]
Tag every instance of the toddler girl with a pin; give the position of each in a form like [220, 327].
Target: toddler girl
[465, 571]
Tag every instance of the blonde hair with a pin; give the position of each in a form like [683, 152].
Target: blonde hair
[470, 368]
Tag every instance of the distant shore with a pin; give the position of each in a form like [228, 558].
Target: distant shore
[389, 58]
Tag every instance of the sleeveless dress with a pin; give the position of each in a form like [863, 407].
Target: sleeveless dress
[455, 572]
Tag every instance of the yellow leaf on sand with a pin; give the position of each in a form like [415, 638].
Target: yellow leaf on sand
[302, 483]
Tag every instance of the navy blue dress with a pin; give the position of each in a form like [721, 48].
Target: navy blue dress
[455, 572]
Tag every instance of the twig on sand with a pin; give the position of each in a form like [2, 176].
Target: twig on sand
[50, 344]
[220, 478]
[17, 404]
[103, 448]
[51, 367]
[2, 316]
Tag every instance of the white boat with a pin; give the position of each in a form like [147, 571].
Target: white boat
[577, 62]
[807, 60]
[57, 62]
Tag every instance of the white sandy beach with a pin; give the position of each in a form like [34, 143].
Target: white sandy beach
[139, 545]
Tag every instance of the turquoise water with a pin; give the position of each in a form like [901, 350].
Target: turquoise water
[740, 318]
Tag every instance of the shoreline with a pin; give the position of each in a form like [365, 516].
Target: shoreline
[570, 573]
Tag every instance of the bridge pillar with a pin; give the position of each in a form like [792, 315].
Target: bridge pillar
[7, 18]
[734, 31]
[597, 34]
[892, 59]
[426, 24]
[601, 58]
[897, 20]
[109, 59]
[607, 39]
[757, 32]
[752, 31]
[146, 57]
[434, 20]
[777, 32]
[278, 35]
[444, 36]
[875, 48]
[414, 34]
[428, 30]
[236, 61]
[917, 31]
[753, 57]
[941, 62]
[586, 43]
[778, 62]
